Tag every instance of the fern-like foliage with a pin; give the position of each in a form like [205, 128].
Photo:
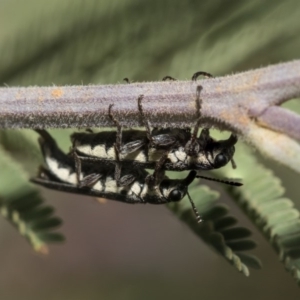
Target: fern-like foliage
[262, 199]
[22, 205]
[220, 37]
[218, 230]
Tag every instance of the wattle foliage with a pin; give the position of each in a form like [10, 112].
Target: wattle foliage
[101, 42]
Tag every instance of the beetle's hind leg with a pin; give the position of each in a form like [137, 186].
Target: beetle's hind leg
[117, 145]
[160, 140]
[192, 147]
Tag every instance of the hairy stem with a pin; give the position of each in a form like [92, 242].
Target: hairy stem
[230, 102]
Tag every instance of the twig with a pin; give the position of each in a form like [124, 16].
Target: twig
[245, 103]
[229, 102]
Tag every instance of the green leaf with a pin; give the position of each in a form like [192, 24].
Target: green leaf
[101, 42]
[261, 197]
[217, 230]
[22, 205]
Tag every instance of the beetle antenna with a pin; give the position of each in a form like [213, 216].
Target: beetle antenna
[198, 217]
[233, 183]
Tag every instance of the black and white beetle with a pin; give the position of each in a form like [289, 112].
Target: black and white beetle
[137, 150]
[132, 186]
[171, 149]
[159, 149]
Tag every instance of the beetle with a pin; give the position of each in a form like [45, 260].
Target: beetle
[136, 149]
[173, 149]
[132, 187]
[61, 173]
[159, 149]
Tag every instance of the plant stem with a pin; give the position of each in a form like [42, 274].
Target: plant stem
[230, 102]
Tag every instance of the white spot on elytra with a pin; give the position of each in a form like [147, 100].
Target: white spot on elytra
[62, 173]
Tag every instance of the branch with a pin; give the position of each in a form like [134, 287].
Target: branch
[281, 120]
[230, 100]
[244, 103]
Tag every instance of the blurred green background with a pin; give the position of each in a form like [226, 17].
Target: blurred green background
[116, 251]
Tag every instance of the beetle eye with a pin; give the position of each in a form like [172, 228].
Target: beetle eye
[175, 195]
[220, 160]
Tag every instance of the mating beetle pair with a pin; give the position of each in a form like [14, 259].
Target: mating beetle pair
[112, 164]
